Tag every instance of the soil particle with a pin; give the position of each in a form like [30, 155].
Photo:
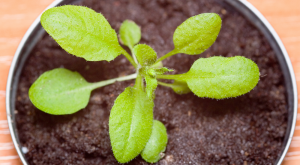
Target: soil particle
[245, 130]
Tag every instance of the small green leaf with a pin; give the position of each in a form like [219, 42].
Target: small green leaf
[60, 92]
[180, 87]
[162, 70]
[157, 71]
[82, 32]
[157, 143]
[220, 77]
[151, 85]
[145, 55]
[151, 72]
[197, 33]
[157, 65]
[130, 33]
[130, 123]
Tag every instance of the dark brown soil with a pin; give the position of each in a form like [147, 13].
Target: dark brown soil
[244, 130]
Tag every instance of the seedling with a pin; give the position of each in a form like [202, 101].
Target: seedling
[87, 34]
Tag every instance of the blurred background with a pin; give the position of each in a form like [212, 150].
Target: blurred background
[17, 15]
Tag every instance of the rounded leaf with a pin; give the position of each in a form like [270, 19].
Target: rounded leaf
[157, 143]
[130, 33]
[197, 33]
[130, 124]
[82, 32]
[220, 77]
[59, 92]
[145, 55]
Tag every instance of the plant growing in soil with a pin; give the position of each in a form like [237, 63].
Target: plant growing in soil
[132, 130]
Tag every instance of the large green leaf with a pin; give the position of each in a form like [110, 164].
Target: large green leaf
[197, 33]
[60, 92]
[82, 32]
[130, 123]
[130, 33]
[220, 77]
[145, 55]
[157, 143]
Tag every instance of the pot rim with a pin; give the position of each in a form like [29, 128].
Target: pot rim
[10, 79]
[247, 4]
[291, 72]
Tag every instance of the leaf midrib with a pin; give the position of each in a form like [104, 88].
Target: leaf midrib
[196, 40]
[131, 120]
[78, 89]
[187, 76]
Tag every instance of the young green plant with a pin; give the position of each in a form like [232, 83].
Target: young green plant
[132, 130]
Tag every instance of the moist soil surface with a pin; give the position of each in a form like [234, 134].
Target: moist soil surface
[245, 130]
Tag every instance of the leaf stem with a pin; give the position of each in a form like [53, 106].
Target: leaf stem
[111, 81]
[139, 82]
[164, 84]
[133, 55]
[130, 59]
[171, 53]
[169, 76]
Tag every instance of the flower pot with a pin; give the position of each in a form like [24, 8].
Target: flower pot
[35, 33]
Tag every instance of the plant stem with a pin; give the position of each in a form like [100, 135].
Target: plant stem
[111, 81]
[171, 53]
[139, 82]
[130, 59]
[169, 76]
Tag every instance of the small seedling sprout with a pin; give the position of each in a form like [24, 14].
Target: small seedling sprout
[132, 130]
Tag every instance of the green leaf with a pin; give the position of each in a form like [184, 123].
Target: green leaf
[145, 55]
[162, 70]
[82, 32]
[130, 123]
[220, 77]
[197, 33]
[151, 85]
[151, 72]
[60, 92]
[157, 143]
[156, 71]
[157, 65]
[130, 33]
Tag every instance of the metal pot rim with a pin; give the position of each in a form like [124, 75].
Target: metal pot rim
[246, 4]
[279, 44]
